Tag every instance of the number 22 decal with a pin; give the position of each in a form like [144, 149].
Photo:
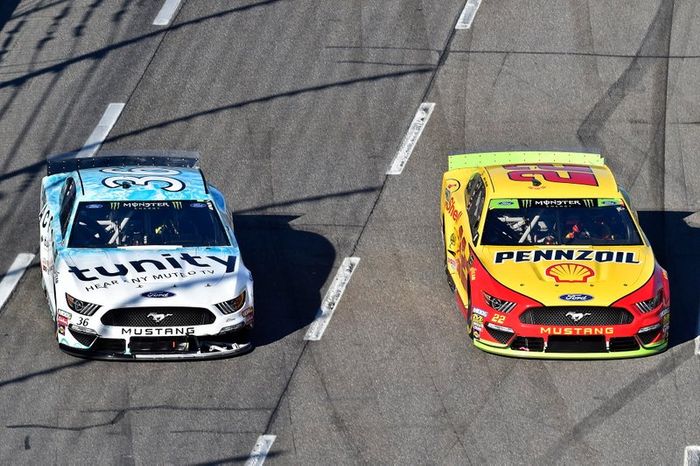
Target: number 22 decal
[572, 174]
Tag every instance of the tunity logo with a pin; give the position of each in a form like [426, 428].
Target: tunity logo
[576, 316]
[158, 317]
[143, 177]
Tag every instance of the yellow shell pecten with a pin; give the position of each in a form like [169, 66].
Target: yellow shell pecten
[569, 272]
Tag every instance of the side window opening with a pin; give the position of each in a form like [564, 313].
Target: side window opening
[67, 201]
[475, 205]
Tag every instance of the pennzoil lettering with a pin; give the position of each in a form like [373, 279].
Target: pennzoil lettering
[154, 265]
[158, 331]
[622, 257]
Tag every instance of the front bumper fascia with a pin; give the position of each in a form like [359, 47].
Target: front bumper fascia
[507, 351]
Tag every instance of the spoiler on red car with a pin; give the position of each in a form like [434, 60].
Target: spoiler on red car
[486, 159]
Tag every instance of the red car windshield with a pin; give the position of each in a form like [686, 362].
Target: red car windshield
[513, 222]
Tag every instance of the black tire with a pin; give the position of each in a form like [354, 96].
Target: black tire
[468, 305]
[450, 281]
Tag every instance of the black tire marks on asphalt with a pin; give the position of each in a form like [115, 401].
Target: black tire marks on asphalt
[627, 394]
[656, 42]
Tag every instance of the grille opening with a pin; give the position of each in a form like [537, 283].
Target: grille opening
[158, 317]
[499, 335]
[649, 336]
[576, 344]
[84, 338]
[527, 344]
[109, 345]
[240, 337]
[163, 344]
[624, 344]
[576, 315]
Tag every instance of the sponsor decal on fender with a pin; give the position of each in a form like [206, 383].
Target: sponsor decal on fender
[452, 264]
[539, 255]
[452, 209]
[158, 331]
[577, 330]
[451, 186]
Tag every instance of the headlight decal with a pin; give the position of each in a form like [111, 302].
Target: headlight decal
[232, 305]
[498, 304]
[81, 307]
[651, 304]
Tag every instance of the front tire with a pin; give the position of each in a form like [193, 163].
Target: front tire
[468, 305]
[450, 280]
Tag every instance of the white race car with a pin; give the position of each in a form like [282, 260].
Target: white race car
[139, 260]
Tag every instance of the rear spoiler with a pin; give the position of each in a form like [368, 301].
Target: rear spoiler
[151, 158]
[485, 159]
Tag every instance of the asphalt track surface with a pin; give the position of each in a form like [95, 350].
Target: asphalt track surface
[298, 107]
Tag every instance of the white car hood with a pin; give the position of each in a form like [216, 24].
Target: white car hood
[146, 277]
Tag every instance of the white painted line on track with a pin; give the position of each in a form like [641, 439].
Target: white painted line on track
[332, 298]
[166, 13]
[14, 273]
[411, 139]
[468, 14]
[101, 131]
[260, 450]
[691, 456]
[697, 344]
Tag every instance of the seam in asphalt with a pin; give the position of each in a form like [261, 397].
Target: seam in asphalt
[665, 104]
[167, 31]
[441, 61]
[667, 56]
[431, 83]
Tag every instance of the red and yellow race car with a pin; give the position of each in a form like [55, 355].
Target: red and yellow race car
[547, 258]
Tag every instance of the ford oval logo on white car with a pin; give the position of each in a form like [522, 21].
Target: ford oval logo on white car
[576, 297]
[158, 294]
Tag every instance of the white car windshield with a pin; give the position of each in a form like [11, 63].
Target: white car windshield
[513, 222]
[146, 223]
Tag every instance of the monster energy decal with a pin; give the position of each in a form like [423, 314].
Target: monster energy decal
[557, 203]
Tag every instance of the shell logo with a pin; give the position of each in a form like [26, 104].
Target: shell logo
[569, 272]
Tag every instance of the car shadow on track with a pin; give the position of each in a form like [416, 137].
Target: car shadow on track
[289, 269]
[677, 248]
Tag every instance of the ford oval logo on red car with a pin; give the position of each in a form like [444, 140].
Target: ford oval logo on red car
[158, 294]
[575, 297]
